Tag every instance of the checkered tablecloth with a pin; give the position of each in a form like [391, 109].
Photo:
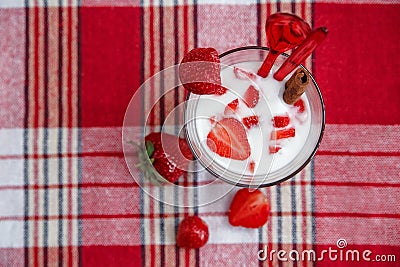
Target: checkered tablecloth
[68, 70]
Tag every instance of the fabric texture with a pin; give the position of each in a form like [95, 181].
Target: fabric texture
[68, 71]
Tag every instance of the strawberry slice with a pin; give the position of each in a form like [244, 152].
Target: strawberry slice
[231, 107]
[250, 121]
[228, 139]
[249, 209]
[213, 120]
[252, 166]
[243, 74]
[280, 121]
[300, 105]
[201, 73]
[251, 96]
[281, 134]
[274, 149]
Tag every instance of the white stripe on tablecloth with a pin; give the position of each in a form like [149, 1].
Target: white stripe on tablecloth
[337, 138]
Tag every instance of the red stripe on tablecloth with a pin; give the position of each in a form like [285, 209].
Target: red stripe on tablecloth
[132, 185]
[359, 154]
[46, 112]
[151, 69]
[66, 155]
[121, 154]
[109, 81]
[70, 124]
[35, 123]
[111, 256]
[355, 67]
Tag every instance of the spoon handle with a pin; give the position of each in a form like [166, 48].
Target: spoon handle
[267, 64]
[303, 51]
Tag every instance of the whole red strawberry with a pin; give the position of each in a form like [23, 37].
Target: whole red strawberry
[192, 233]
[167, 160]
[249, 209]
[200, 70]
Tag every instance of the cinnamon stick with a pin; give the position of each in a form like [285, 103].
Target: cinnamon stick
[296, 86]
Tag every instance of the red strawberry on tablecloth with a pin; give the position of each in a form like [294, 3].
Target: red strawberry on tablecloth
[162, 160]
[192, 233]
[249, 209]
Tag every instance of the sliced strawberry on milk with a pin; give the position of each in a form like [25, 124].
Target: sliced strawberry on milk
[250, 121]
[274, 149]
[228, 139]
[280, 121]
[251, 96]
[300, 105]
[283, 133]
[231, 107]
[252, 166]
[243, 74]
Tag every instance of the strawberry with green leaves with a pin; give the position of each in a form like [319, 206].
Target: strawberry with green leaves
[161, 159]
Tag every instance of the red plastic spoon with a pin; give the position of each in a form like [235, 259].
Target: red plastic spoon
[301, 53]
[284, 31]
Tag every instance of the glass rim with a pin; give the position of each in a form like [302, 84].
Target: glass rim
[302, 166]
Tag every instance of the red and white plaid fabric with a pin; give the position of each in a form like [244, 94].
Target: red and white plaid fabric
[68, 69]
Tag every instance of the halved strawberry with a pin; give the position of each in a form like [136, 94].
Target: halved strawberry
[231, 107]
[249, 209]
[199, 72]
[250, 121]
[228, 139]
[280, 121]
[251, 96]
[284, 133]
[274, 149]
[243, 74]
[300, 104]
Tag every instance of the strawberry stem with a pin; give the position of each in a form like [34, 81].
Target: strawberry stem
[149, 149]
